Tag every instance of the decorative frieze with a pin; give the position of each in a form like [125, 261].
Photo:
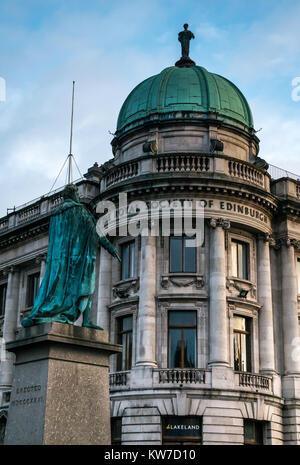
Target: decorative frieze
[180, 281]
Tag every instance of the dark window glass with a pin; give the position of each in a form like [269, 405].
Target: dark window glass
[124, 359]
[33, 284]
[182, 339]
[128, 268]
[3, 289]
[242, 344]
[182, 254]
[116, 431]
[181, 430]
[253, 432]
[240, 259]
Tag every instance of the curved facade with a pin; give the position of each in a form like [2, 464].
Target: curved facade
[209, 333]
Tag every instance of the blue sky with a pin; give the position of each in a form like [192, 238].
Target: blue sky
[108, 48]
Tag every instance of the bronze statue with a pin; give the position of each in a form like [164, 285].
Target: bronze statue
[184, 38]
[69, 282]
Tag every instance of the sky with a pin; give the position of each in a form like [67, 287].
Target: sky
[108, 47]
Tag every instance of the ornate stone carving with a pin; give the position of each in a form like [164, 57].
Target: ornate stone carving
[223, 223]
[181, 281]
[242, 287]
[288, 242]
[124, 290]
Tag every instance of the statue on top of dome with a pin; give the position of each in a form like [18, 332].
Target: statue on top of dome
[184, 38]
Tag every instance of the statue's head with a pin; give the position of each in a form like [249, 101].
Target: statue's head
[70, 192]
[185, 26]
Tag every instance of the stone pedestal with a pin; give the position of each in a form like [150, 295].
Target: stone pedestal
[60, 392]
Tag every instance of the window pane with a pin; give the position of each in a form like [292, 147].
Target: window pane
[182, 340]
[33, 285]
[242, 344]
[131, 260]
[3, 288]
[190, 348]
[125, 260]
[239, 254]
[176, 254]
[253, 432]
[174, 348]
[189, 255]
[129, 352]
[234, 258]
[126, 323]
[124, 360]
[182, 318]
[116, 431]
[244, 262]
[240, 323]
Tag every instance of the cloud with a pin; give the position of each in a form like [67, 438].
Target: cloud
[280, 135]
[108, 49]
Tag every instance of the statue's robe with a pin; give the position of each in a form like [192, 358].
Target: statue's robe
[69, 281]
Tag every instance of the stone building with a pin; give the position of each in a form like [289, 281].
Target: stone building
[209, 333]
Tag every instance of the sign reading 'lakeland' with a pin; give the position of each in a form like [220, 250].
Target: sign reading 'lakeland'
[182, 426]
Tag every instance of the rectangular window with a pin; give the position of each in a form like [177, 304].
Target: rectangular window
[253, 433]
[240, 259]
[128, 260]
[3, 288]
[116, 431]
[182, 339]
[181, 430]
[298, 274]
[124, 359]
[242, 343]
[33, 284]
[182, 254]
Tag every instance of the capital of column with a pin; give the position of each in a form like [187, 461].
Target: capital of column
[41, 258]
[221, 222]
[287, 242]
[266, 237]
[9, 270]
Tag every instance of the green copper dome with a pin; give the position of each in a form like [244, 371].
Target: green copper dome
[175, 90]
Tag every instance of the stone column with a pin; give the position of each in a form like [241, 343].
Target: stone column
[289, 307]
[10, 325]
[146, 324]
[218, 327]
[104, 289]
[264, 289]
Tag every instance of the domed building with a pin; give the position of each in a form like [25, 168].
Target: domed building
[210, 331]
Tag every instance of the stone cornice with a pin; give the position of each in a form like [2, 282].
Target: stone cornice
[143, 188]
[30, 257]
[28, 231]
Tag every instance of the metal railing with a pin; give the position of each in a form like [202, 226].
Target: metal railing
[181, 375]
[276, 173]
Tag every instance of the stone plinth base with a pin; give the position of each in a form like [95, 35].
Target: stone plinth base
[60, 392]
